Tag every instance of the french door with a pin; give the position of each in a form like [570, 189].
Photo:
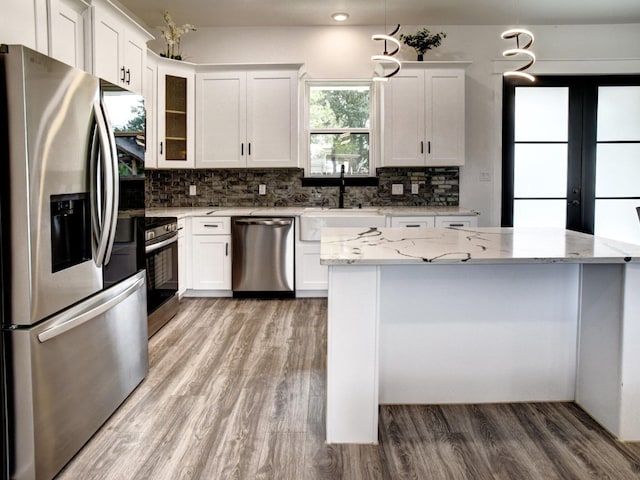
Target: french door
[571, 154]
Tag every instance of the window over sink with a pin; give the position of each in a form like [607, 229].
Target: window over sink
[340, 128]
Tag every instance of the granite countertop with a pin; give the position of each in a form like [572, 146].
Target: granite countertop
[182, 212]
[396, 246]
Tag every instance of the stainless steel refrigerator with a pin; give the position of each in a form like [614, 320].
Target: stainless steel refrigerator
[74, 330]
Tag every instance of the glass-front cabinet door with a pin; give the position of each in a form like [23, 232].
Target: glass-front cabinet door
[176, 101]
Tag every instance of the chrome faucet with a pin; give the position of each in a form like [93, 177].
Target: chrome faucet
[341, 198]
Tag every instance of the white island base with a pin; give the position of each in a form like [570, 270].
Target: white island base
[470, 331]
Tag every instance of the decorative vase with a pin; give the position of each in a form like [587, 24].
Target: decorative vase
[421, 57]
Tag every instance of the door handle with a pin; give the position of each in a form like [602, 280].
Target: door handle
[574, 203]
[421, 147]
[226, 249]
[113, 189]
[123, 74]
[161, 148]
[429, 147]
[242, 149]
[102, 207]
[128, 81]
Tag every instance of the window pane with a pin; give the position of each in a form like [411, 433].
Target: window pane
[331, 150]
[540, 213]
[542, 114]
[339, 107]
[617, 219]
[540, 170]
[618, 113]
[618, 170]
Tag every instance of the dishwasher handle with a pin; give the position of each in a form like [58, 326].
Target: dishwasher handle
[278, 222]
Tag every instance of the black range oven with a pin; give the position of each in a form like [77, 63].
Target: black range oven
[161, 248]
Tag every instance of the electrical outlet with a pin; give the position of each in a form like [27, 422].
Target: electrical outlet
[485, 176]
[262, 189]
[192, 190]
[414, 188]
[396, 189]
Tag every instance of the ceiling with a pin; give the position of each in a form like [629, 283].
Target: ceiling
[209, 13]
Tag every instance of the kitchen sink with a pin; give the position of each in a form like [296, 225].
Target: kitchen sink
[313, 220]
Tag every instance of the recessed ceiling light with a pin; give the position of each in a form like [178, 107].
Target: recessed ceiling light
[340, 16]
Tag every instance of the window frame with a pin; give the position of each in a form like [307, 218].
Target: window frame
[373, 130]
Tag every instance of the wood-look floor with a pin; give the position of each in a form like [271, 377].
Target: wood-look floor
[236, 390]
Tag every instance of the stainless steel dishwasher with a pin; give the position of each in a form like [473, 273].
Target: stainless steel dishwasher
[262, 257]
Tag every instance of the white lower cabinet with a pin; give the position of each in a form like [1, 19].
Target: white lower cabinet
[437, 221]
[310, 275]
[211, 253]
[182, 256]
[456, 221]
[412, 222]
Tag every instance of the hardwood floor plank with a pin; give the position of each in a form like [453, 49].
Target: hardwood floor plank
[236, 390]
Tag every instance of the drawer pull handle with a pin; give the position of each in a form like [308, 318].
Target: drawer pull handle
[209, 225]
[412, 226]
[456, 224]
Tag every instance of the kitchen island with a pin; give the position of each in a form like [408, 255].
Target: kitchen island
[480, 315]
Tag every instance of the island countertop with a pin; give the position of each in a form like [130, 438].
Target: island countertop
[401, 246]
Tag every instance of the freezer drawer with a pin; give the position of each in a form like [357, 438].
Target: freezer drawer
[71, 373]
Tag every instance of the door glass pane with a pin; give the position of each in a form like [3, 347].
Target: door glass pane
[617, 219]
[618, 170]
[542, 114]
[618, 113]
[540, 170]
[540, 213]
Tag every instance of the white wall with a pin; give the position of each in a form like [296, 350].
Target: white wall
[343, 52]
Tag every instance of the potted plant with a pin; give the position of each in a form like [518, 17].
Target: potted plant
[172, 33]
[423, 40]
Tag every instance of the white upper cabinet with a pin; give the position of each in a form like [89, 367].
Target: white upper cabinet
[24, 23]
[424, 117]
[70, 24]
[119, 47]
[175, 107]
[247, 117]
[150, 92]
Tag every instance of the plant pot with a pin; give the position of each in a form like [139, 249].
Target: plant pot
[421, 57]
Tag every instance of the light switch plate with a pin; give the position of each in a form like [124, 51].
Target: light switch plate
[262, 189]
[193, 190]
[414, 188]
[396, 189]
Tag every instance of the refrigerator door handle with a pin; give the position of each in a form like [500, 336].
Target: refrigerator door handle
[101, 199]
[113, 192]
[74, 318]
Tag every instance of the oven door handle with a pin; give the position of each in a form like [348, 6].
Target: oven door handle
[159, 245]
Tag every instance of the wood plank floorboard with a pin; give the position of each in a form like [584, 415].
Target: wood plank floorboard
[236, 390]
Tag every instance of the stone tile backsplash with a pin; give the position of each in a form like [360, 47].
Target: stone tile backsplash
[239, 188]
